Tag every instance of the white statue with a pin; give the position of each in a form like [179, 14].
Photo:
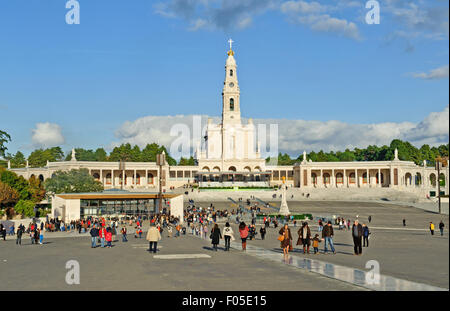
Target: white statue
[396, 154]
[73, 155]
[284, 210]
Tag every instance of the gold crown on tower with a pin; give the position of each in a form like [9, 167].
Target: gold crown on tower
[230, 53]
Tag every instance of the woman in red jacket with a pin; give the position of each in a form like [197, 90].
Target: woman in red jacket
[108, 238]
[243, 231]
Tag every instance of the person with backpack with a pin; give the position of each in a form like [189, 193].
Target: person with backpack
[366, 233]
[228, 235]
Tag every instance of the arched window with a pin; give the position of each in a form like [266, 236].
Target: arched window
[108, 179]
[352, 178]
[150, 178]
[231, 72]
[314, 178]
[138, 179]
[231, 104]
[339, 178]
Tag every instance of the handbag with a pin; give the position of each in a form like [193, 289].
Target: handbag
[281, 238]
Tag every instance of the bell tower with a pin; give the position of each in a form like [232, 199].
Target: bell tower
[231, 110]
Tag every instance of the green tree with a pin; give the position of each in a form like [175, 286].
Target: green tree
[25, 207]
[18, 160]
[186, 162]
[74, 181]
[8, 195]
[4, 138]
[100, 155]
[16, 182]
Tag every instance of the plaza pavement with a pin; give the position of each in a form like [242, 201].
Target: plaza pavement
[409, 253]
[128, 266]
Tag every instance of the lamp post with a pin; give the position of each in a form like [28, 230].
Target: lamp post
[160, 161]
[438, 168]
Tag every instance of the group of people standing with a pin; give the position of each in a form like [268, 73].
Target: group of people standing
[360, 235]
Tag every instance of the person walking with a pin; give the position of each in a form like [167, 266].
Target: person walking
[304, 237]
[36, 235]
[370, 218]
[108, 237]
[404, 222]
[441, 227]
[228, 235]
[431, 228]
[215, 236]
[263, 232]
[315, 244]
[102, 235]
[19, 235]
[243, 232]
[41, 236]
[169, 231]
[124, 234]
[327, 236]
[357, 233]
[94, 235]
[285, 238]
[366, 233]
[153, 236]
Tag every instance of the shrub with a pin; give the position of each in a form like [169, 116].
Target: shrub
[25, 207]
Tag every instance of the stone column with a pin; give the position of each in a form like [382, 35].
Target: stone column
[368, 177]
[333, 180]
[124, 178]
[379, 178]
[345, 179]
[146, 179]
[113, 181]
[320, 181]
[101, 178]
[134, 178]
[356, 178]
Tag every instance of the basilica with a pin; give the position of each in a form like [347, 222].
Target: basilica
[231, 157]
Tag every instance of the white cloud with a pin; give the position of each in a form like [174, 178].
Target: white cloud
[294, 136]
[435, 74]
[47, 135]
[313, 14]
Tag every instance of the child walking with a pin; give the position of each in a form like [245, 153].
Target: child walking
[315, 243]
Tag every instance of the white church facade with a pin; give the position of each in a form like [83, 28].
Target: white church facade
[232, 157]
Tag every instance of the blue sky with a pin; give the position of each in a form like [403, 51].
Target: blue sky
[298, 62]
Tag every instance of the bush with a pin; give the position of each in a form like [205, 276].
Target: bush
[25, 207]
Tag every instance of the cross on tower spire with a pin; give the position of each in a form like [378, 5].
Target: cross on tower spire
[231, 44]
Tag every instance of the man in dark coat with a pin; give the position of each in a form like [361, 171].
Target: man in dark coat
[263, 232]
[327, 236]
[357, 233]
[304, 237]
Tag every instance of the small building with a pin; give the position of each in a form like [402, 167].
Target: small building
[114, 203]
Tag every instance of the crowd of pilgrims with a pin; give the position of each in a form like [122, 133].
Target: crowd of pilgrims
[199, 221]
